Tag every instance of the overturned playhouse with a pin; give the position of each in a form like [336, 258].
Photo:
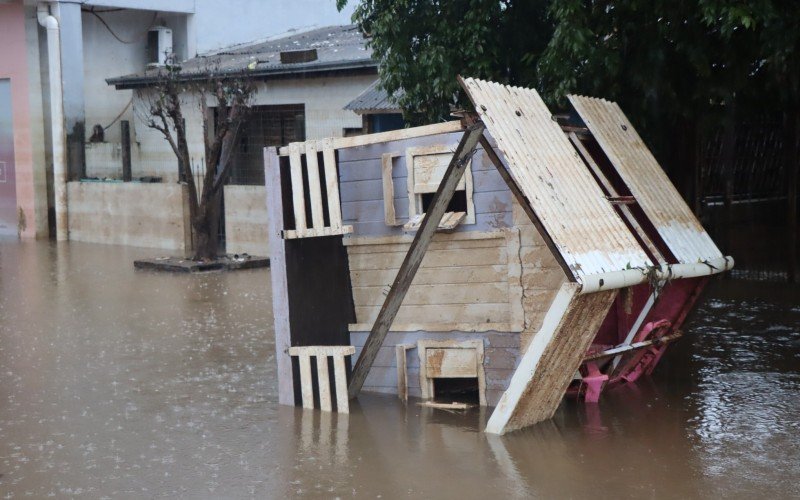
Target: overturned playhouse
[510, 252]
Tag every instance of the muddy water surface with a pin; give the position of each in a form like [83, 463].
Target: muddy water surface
[124, 384]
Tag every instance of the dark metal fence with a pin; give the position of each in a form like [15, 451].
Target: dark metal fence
[743, 200]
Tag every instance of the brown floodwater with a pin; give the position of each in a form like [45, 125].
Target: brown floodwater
[117, 383]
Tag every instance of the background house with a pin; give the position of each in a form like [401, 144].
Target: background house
[88, 42]
[303, 83]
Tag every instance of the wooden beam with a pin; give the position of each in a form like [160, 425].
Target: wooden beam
[392, 135]
[314, 187]
[523, 201]
[402, 282]
[298, 194]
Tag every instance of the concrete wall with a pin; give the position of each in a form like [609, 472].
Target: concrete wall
[130, 213]
[246, 220]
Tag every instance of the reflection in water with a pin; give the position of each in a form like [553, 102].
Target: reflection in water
[115, 383]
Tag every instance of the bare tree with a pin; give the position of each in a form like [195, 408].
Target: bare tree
[230, 95]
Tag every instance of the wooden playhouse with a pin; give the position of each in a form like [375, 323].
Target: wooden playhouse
[509, 252]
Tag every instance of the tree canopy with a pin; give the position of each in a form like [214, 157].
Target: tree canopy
[659, 58]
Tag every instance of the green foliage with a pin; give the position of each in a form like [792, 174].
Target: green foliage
[421, 46]
[666, 61]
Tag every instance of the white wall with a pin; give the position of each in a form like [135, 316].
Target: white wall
[104, 57]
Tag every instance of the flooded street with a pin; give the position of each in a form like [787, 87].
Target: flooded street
[117, 383]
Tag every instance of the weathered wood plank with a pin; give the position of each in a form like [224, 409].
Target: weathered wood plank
[438, 294]
[465, 314]
[441, 327]
[331, 183]
[415, 255]
[438, 239]
[298, 191]
[278, 276]
[306, 386]
[388, 188]
[551, 359]
[314, 187]
[291, 234]
[324, 384]
[393, 135]
[492, 338]
[322, 350]
[340, 378]
[434, 258]
[432, 276]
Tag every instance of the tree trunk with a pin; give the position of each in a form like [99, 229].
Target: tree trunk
[205, 228]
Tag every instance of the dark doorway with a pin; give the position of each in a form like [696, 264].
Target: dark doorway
[462, 390]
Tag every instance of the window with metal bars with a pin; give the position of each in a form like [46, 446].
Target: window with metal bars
[276, 125]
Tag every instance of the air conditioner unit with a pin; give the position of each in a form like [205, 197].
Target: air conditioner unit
[159, 46]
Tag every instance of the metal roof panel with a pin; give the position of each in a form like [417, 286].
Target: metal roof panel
[673, 219]
[587, 231]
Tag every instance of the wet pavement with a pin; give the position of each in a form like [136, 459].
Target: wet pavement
[117, 383]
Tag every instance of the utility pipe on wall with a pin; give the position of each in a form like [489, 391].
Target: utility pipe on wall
[58, 130]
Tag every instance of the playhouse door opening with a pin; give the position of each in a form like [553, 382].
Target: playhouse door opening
[461, 390]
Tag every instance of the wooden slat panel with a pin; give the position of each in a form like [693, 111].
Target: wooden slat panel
[332, 183]
[314, 187]
[298, 191]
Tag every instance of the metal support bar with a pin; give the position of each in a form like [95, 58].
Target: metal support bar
[413, 259]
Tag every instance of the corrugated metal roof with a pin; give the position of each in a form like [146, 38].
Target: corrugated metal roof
[649, 184]
[584, 226]
[338, 47]
[374, 99]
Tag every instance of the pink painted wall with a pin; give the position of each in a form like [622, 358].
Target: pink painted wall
[14, 66]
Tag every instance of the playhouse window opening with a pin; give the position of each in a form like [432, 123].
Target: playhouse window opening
[462, 390]
[457, 204]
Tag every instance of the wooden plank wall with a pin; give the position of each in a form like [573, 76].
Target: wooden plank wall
[541, 275]
[501, 352]
[464, 283]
